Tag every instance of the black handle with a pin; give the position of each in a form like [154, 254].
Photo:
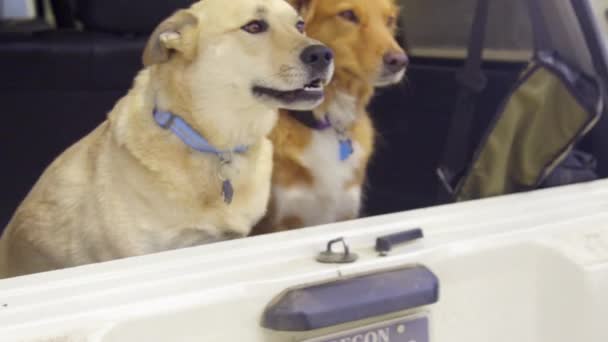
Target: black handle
[386, 243]
[349, 300]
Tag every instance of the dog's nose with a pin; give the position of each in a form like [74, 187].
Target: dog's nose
[396, 61]
[318, 57]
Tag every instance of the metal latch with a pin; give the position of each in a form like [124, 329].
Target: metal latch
[331, 257]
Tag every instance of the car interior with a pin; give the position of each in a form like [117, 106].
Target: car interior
[81, 56]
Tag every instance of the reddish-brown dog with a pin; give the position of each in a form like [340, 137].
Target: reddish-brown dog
[321, 157]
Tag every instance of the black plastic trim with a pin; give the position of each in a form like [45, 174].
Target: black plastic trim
[352, 299]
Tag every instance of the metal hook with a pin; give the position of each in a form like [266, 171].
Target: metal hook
[330, 257]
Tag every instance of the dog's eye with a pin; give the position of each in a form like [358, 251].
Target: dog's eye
[391, 21]
[255, 27]
[300, 26]
[349, 15]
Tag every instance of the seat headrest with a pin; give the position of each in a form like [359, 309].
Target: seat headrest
[127, 16]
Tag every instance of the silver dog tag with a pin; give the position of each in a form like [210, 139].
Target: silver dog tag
[227, 191]
[224, 175]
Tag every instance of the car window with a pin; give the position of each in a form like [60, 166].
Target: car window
[441, 28]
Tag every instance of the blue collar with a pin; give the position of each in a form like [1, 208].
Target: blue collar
[308, 119]
[189, 135]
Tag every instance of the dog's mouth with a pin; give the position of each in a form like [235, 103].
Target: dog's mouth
[389, 78]
[311, 92]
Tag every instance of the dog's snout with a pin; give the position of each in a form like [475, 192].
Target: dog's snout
[318, 57]
[396, 61]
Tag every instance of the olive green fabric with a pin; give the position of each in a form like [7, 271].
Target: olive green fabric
[537, 127]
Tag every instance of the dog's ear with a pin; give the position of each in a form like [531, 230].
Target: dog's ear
[304, 7]
[175, 34]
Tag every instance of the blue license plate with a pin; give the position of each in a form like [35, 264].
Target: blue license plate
[401, 330]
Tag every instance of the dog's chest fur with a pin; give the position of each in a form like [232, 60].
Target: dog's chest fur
[334, 193]
[99, 202]
[189, 210]
[328, 198]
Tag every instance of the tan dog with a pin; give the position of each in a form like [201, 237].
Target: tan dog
[217, 71]
[321, 157]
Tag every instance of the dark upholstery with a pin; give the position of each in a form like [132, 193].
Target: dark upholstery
[126, 16]
[68, 60]
[412, 122]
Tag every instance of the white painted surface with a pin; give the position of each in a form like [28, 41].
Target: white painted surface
[17, 9]
[527, 268]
